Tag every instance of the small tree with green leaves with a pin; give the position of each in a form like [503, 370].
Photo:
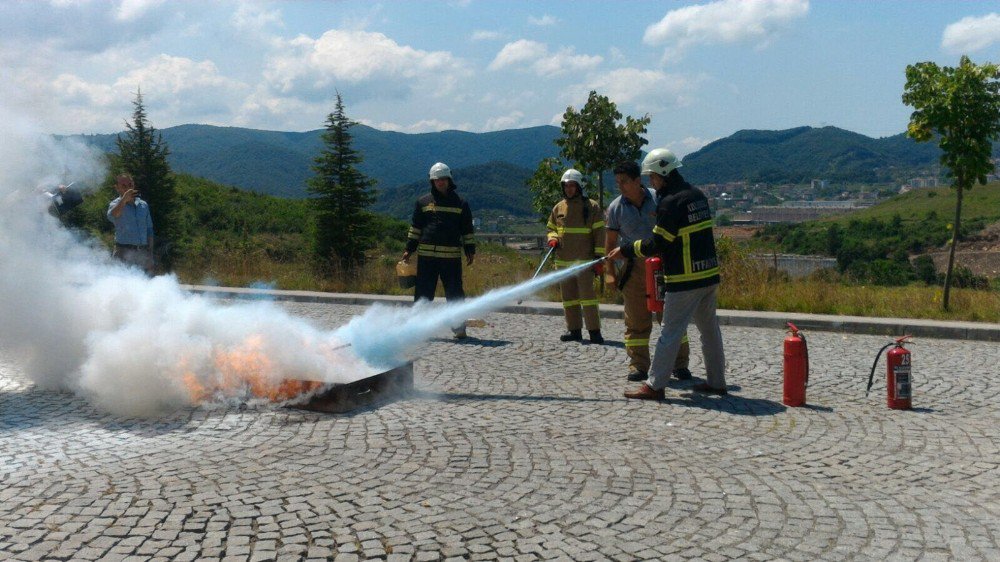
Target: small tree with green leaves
[961, 107]
[344, 225]
[595, 140]
[545, 188]
[143, 154]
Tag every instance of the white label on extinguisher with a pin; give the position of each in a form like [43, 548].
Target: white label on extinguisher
[901, 374]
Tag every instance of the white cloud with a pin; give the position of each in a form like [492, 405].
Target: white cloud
[543, 21]
[644, 90]
[132, 10]
[179, 89]
[422, 126]
[724, 21]
[536, 57]
[483, 35]
[689, 144]
[971, 34]
[255, 17]
[509, 121]
[308, 67]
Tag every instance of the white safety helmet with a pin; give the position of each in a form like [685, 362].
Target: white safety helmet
[660, 161]
[572, 175]
[440, 170]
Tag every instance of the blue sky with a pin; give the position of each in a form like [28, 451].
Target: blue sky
[702, 70]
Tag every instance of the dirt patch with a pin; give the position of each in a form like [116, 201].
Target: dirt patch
[980, 253]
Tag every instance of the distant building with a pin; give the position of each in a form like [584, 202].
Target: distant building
[818, 184]
[923, 182]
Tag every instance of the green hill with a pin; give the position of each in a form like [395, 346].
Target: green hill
[804, 153]
[279, 163]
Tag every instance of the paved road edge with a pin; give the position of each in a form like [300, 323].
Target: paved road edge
[976, 331]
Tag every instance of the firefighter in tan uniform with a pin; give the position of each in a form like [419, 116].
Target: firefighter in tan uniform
[576, 230]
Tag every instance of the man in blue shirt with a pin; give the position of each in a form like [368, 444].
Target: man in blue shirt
[631, 217]
[133, 225]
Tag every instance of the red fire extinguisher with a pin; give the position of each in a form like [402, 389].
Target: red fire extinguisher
[796, 367]
[654, 284]
[897, 376]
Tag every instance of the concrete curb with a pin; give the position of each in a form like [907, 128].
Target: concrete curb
[976, 331]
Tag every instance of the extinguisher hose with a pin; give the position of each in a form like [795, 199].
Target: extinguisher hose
[805, 351]
[871, 375]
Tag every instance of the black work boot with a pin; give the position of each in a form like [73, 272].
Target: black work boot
[682, 374]
[595, 336]
[572, 335]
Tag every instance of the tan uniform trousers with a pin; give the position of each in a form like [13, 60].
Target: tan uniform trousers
[639, 323]
[578, 294]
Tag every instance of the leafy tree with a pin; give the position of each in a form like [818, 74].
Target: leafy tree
[545, 188]
[344, 226]
[925, 269]
[961, 107]
[143, 154]
[594, 139]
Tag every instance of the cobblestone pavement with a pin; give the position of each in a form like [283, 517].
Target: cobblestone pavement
[519, 447]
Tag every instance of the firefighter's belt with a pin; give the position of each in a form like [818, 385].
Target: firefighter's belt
[626, 273]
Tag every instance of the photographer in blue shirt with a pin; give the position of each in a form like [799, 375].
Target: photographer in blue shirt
[133, 225]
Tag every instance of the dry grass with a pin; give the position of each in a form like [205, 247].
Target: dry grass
[745, 285]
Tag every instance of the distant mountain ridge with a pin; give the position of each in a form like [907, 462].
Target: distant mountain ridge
[279, 163]
[804, 153]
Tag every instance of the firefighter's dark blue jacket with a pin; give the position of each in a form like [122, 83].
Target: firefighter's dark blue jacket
[682, 237]
[441, 226]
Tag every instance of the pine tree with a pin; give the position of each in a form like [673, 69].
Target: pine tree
[143, 154]
[343, 195]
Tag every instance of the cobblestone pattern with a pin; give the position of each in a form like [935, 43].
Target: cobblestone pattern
[519, 447]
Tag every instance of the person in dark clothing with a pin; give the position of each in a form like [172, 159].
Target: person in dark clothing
[684, 240]
[440, 232]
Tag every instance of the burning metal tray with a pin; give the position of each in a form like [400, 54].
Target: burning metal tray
[383, 387]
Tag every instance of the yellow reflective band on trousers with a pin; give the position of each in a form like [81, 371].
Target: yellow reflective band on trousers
[596, 225]
[590, 302]
[437, 208]
[570, 304]
[637, 248]
[599, 250]
[432, 251]
[636, 342]
[414, 233]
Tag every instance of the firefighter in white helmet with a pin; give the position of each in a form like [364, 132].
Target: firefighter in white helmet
[576, 230]
[440, 232]
[684, 240]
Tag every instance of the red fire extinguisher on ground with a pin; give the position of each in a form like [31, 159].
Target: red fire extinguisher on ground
[654, 284]
[796, 367]
[898, 384]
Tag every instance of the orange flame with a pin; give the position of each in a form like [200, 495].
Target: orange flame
[246, 368]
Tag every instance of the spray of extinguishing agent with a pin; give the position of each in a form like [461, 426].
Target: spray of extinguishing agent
[796, 368]
[898, 384]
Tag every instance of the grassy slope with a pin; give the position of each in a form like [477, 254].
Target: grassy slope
[980, 203]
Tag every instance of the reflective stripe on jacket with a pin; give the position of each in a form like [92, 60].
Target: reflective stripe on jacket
[683, 237]
[581, 239]
[441, 226]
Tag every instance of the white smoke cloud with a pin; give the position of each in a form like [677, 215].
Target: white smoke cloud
[131, 345]
[134, 346]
